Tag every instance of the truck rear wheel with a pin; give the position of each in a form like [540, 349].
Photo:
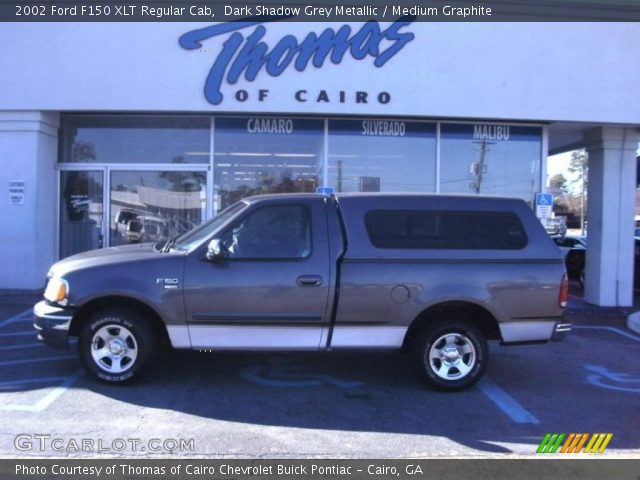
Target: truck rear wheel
[452, 354]
[117, 345]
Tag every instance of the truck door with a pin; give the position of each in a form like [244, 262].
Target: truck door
[271, 290]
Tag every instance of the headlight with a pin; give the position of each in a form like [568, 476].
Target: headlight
[57, 290]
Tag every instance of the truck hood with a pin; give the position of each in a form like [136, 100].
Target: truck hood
[104, 256]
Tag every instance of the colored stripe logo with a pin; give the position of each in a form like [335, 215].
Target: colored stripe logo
[574, 443]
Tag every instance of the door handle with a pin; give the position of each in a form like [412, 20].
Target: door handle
[309, 281]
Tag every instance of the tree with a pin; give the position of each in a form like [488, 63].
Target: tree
[579, 166]
[558, 183]
[184, 181]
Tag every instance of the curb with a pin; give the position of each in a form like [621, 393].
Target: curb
[578, 307]
[633, 322]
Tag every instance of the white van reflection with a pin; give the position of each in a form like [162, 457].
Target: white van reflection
[122, 219]
[145, 228]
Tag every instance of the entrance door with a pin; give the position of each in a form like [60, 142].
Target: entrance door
[81, 211]
[271, 291]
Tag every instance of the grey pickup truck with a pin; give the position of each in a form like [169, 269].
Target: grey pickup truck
[437, 276]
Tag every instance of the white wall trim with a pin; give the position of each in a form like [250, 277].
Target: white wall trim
[367, 336]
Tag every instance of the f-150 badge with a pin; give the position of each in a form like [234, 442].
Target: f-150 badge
[167, 282]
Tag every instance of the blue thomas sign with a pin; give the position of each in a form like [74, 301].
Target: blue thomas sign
[246, 53]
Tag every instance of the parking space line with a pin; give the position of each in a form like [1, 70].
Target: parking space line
[48, 399]
[506, 402]
[19, 334]
[610, 329]
[36, 360]
[15, 318]
[32, 380]
[25, 346]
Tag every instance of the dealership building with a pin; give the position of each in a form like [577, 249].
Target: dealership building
[115, 133]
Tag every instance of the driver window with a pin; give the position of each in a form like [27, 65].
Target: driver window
[274, 232]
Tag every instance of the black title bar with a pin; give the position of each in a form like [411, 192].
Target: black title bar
[201, 469]
[322, 10]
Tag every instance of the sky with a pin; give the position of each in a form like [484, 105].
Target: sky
[560, 164]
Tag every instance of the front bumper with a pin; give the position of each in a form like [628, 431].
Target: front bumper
[52, 324]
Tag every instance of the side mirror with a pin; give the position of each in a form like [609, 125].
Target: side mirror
[216, 250]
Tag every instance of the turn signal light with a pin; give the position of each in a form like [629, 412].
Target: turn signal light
[57, 291]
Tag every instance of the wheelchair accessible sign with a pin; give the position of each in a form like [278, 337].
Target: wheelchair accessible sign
[544, 205]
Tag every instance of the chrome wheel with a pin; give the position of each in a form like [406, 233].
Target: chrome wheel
[452, 356]
[114, 348]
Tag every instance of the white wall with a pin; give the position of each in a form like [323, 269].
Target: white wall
[582, 72]
[585, 72]
[611, 203]
[28, 151]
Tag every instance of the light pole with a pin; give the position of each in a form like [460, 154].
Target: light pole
[480, 167]
[583, 230]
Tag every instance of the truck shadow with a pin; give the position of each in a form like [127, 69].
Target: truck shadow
[348, 392]
[356, 393]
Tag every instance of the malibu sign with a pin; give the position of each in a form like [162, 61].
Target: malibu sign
[244, 53]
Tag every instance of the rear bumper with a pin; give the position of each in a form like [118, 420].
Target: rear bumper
[561, 330]
[534, 331]
[52, 324]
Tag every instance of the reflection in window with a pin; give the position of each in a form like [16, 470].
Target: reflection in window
[80, 212]
[382, 156]
[260, 155]
[134, 139]
[151, 206]
[490, 160]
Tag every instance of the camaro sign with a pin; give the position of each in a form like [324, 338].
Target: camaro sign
[244, 53]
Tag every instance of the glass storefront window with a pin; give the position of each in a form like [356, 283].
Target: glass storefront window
[382, 156]
[151, 206]
[135, 139]
[266, 154]
[81, 211]
[256, 155]
[490, 159]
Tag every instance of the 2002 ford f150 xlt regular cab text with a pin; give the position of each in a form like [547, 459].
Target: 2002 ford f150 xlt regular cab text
[438, 276]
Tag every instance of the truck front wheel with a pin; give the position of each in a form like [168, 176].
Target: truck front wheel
[452, 354]
[116, 345]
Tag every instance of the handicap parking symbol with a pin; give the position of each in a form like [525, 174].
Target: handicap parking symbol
[292, 377]
[544, 199]
[604, 378]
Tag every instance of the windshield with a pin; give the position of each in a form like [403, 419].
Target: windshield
[134, 226]
[193, 238]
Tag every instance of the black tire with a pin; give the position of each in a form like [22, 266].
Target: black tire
[466, 338]
[133, 341]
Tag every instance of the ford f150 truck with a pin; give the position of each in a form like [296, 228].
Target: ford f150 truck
[438, 276]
